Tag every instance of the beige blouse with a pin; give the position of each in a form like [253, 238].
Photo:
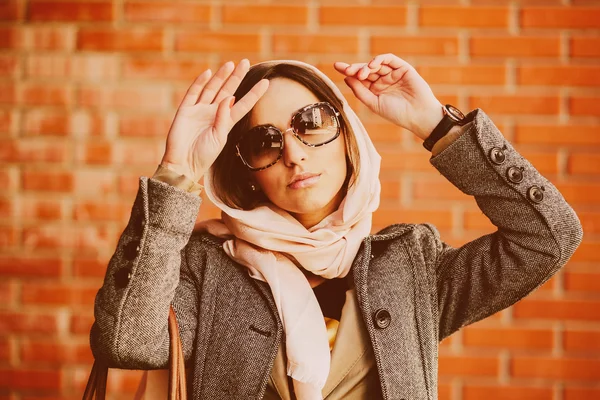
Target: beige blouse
[353, 374]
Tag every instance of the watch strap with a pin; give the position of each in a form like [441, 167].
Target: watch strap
[439, 131]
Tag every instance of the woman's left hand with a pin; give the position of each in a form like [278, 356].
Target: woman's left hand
[392, 88]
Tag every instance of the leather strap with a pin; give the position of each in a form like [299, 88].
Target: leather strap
[177, 380]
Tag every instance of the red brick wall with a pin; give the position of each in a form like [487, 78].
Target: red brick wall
[87, 92]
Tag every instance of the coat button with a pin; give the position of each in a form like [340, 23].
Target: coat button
[497, 155]
[382, 318]
[122, 277]
[535, 194]
[514, 174]
[131, 250]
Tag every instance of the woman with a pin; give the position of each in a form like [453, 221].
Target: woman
[288, 296]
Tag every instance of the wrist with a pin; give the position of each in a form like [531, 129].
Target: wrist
[429, 120]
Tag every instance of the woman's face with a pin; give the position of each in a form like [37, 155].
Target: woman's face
[323, 168]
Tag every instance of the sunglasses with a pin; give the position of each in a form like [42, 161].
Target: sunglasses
[314, 125]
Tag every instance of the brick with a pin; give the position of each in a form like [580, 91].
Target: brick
[30, 379]
[570, 310]
[575, 192]
[468, 366]
[40, 94]
[581, 393]
[7, 208]
[96, 153]
[390, 189]
[94, 181]
[11, 37]
[217, 42]
[463, 17]
[403, 161]
[582, 282]
[146, 153]
[572, 75]
[27, 150]
[27, 323]
[42, 37]
[120, 39]
[587, 251]
[9, 236]
[9, 65]
[507, 46]
[46, 122]
[47, 352]
[90, 267]
[35, 208]
[7, 120]
[315, 44]
[8, 93]
[387, 216]
[67, 237]
[590, 221]
[76, 11]
[464, 75]
[53, 181]
[584, 163]
[509, 338]
[555, 368]
[4, 349]
[558, 135]
[103, 210]
[584, 46]
[383, 133]
[363, 15]
[163, 69]
[58, 295]
[584, 106]
[146, 97]
[415, 45]
[140, 11]
[560, 17]
[9, 178]
[87, 67]
[513, 392]
[145, 125]
[264, 15]
[81, 324]
[581, 341]
[9, 10]
[544, 162]
[515, 104]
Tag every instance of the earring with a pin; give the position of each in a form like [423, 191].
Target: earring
[253, 187]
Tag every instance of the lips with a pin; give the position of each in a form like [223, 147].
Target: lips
[303, 180]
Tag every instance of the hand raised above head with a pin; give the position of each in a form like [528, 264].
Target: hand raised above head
[393, 89]
[205, 116]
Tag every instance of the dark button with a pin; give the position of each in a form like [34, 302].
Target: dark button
[535, 194]
[131, 250]
[514, 174]
[497, 155]
[382, 318]
[122, 277]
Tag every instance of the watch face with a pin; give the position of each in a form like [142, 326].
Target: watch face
[454, 113]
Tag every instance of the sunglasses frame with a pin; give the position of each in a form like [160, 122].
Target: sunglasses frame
[336, 115]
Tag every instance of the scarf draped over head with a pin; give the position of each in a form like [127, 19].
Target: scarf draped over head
[267, 239]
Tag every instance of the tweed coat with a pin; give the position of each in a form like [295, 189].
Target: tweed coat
[413, 290]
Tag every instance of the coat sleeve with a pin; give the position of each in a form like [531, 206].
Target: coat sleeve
[147, 273]
[537, 230]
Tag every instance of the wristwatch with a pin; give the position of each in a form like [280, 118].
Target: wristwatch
[452, 117]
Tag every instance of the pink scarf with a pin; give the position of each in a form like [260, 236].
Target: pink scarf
[265, 238]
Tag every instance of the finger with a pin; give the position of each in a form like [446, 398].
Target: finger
[246, 103]
[223, 121]
[214, 85]
[362, 92]
[364, 72]
[383, 71]
[234, 80]
[354, 68]
[340, 66]
[389, 59]
[191, 96]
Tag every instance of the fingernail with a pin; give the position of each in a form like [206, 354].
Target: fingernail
[232, 101]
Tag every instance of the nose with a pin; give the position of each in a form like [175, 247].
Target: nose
[293, 150]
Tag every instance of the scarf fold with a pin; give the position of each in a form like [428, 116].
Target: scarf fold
[272, 245]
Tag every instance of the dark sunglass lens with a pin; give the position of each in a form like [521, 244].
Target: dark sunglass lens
[317, 124]
[261, 146]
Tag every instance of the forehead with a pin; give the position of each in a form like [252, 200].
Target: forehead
[283, 97]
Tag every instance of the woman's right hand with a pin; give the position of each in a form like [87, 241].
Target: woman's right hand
[204, 118]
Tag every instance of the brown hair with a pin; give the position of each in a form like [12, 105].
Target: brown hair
[231, 178]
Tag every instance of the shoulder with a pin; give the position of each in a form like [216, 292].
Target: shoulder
[421, 238]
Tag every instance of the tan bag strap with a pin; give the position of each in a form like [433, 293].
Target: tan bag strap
[177, 380]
